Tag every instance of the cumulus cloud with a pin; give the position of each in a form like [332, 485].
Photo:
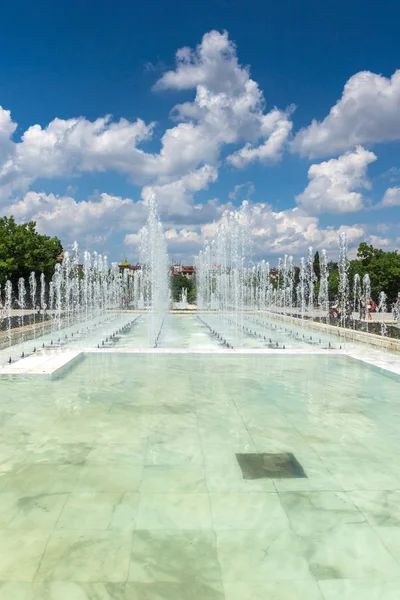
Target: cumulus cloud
[272, 149]
[247, 188]
[65, 217]
[368, 112]
[176, 198]
[228, 108]
[274, 233]
[68, 148]
[229, 105]
[391, 197]
[332, 183]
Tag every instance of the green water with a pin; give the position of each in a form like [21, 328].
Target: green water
[120, 481]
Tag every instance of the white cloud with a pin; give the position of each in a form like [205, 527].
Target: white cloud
[213, 64]
[132, 240]
[367, 113]
[332, 183]
[290, 231]
[228, 108]
[272, 149]
[391, 197]
[68, 219]
[68, 147]
[247, 188]
[176, 198]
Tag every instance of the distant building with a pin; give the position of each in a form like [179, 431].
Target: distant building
[273, 273]
[131, 268]
[186, 270]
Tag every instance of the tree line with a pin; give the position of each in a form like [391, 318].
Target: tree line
[383, 268]
[23, 250]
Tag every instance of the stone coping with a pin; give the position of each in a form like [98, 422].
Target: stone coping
[52, 364]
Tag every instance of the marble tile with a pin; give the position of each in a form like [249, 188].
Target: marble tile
[258, 556]
[174, 556]
[223, 455]
[80, 431]
[304, 589]
[164, 479]
[274, 439]
[173, 453]
[174, 511]
[54, 453]
[349, 552]
[108, 478]
[117, 454]
[71, 590]
[174, 591]
[359, 589]
[230, 435]
[122, 431]
[319, 511]
[247, 511]
[318, 476]
[30, 512]
[86, 556]
[227, 478]
[390, 536]
[165, 428]
[11, 457]
[174, 408]
[14, 590]
[20, 553]
[381, 508]
[359, 472]
[42, 479]
[99, 511]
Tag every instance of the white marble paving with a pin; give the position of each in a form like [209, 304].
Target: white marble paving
[119, 480]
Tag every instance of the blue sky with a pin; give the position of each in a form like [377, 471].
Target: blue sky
[227, 119]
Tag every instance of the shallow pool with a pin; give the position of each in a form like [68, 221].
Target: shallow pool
[120, 480]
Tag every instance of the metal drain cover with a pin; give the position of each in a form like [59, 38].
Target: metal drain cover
[272, 466]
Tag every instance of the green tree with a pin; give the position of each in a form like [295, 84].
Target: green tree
[23, 250]
[316, 265]
[383, 268]
[180, 281]
[333, 282]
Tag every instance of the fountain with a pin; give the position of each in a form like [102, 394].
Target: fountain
[323, 294]
[154, 259]
[382, 308]
[240, 301]
[343, 279]
[183, 302]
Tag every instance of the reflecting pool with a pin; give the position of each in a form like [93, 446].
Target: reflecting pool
[121, 481]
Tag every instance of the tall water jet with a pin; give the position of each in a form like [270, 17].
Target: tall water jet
[21, 304]
[366, 287]
[356, 293]
[301, 288]
[32, 293]
[382, 308]
[57, 296]
[323, 293]
[311, 280]
[43, 305]
[154, 259]
[343, 278]
[8, 308]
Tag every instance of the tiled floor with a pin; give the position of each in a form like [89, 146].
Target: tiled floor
[119, 481]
